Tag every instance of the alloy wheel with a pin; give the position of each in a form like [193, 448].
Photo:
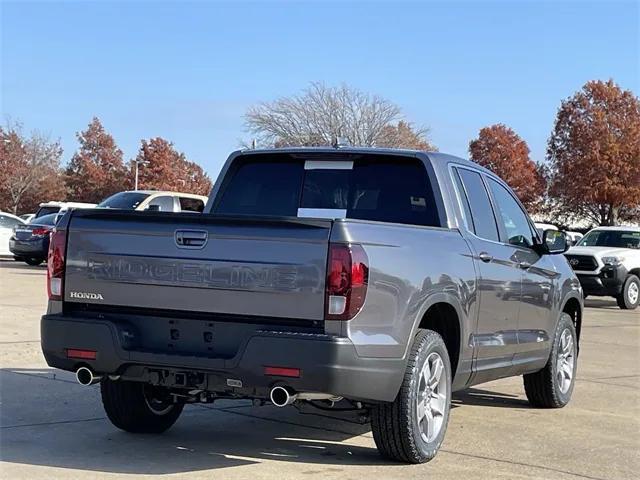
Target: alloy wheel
[565, 361]
[431, 401]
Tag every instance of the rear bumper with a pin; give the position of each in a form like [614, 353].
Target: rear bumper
[328, 364]
[608, 282]
[33, 248]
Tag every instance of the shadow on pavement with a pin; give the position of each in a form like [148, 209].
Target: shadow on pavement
[55, 422]
[604, 302]
[486, 398]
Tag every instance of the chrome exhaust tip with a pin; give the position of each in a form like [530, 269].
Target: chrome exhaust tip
[86, 377]
[282, 396]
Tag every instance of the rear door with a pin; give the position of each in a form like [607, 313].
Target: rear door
[500, 279]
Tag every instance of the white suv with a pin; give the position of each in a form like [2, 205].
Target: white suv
[607, 262]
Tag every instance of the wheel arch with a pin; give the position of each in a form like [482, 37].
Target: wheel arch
[443, 313]
[573, 307]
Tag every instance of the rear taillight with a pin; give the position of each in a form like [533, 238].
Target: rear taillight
[347, 278]
[55, 264]
[40, 232]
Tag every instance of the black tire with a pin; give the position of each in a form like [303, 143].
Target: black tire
[543, 387]
[395, 426]
[18, 259]
[33, 261]
[129, 406]
[624, 302]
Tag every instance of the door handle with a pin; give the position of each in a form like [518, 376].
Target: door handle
[485, 257]
[191, 238]
[524, 265]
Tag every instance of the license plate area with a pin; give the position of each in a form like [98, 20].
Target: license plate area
[189, 337]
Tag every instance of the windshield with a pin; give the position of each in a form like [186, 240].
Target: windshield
[611, 238]
[124, 200]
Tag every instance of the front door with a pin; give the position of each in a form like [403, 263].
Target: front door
[538, 275]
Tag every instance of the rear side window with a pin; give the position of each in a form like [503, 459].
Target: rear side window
[484, 223]
[188, 204]
[385, 189]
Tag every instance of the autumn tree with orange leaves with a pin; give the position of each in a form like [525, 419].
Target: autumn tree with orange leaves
[162, 167]
[96, 170]
[594, 152]
[29, 170]
[502, 151]
[405, 135]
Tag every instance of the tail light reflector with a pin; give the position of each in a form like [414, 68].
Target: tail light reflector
[81, 354]
[347, 279]
[282, 372]
[55, 264]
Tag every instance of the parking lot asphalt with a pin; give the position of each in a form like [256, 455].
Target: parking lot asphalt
[51, 427]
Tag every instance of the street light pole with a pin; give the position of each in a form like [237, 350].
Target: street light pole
[136, 181]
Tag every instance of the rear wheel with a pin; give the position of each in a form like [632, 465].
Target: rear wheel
[629, 298]
[139, 407]
[552, 386]
[412, 428]
[33, 261]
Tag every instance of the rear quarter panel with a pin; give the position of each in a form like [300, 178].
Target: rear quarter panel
[411, 268]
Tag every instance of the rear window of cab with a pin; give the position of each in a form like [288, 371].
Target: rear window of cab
[367, 187]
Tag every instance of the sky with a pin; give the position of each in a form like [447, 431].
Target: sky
[188, 71]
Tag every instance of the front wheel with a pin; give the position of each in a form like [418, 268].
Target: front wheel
[139, 407]
[552, 386]
[34, 262]
[412, 428]
[629, 297]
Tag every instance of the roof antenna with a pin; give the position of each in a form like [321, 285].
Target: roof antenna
[339, 142]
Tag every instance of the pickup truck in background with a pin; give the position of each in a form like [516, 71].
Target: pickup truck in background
[155, 200]
[381, 279]
[607, 262]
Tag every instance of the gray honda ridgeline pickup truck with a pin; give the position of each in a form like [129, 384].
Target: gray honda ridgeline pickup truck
[381, 279]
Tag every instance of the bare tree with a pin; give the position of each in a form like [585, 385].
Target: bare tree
[322, 114]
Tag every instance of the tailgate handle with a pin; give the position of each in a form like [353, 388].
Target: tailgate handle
[191, 238]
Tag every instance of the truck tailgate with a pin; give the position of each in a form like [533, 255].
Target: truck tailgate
[271, 267]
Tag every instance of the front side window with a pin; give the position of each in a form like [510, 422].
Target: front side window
[511, 216]
[162, 204]
[484, 223]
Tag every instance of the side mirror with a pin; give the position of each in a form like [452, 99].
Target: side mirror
[554, 242]
[153, 208]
